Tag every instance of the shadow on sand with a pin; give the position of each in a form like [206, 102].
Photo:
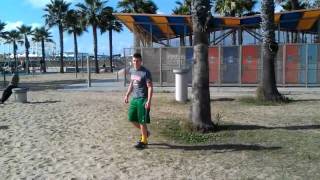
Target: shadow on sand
[4, 127]
[228, 147]
[43, 102]
[256, 127]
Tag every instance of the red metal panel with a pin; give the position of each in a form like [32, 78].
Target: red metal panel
[213, 58]
[250, 58]
[292, 63]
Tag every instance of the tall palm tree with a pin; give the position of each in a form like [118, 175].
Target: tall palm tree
[110, 23]
[76, 25]
[92, 10]
[56, 12]
[2, 25]
[26, 31]
[137, 6]
[234, 8]
[200, 108]
[183, 8]
[267, 91]
[13, 37]
[42, 35]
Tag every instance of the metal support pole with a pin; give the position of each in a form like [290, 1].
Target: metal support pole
[284, 57]
[240, 64]
[219, 65]
[89, 72]
[125, 68]
[160, 66]
[307, 61]
[179, 57]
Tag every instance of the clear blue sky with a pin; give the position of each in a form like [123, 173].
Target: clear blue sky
[30, 12]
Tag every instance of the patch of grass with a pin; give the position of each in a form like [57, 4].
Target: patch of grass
[256, 102]
[181, 131]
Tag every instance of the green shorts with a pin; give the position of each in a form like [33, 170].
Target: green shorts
[137, 112]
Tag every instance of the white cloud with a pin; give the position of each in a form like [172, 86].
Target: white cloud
[35, 25]
[160, 12]
[42, 3]
[12, 25]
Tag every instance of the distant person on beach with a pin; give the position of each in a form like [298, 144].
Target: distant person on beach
[8, 90]
[140, 103]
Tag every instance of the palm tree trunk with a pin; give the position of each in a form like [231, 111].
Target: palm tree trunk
[76, 50]
[136, 39]
[61, 48]
[95, 47]
[200, 108]
[110, 50]
[44, 68]
[268, 90]
[26, 42]
[15, 56]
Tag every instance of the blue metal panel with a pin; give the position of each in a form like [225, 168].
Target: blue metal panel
[146, 25]
[216, 22]
[290, 20]
[179, 25]
[302, 64]
[250, 21]
[312, 63]
[230, 64]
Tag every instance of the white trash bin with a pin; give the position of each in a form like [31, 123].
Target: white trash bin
[181, 84]
[20, 94]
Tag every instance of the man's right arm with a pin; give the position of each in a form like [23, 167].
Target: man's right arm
[126, 98]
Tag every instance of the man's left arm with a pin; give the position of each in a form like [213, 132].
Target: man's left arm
[150, 92]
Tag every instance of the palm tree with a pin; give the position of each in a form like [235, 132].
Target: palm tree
[200, 108]
[137, 6]
[56, 13]
[109, 23]
[92, 9]
[234, 8]
[267, 91]
[42, 35]
[2, 25]
[13, 37]
[183, 8]
[76, 26]
[25, 31]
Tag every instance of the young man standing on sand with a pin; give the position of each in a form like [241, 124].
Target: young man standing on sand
[140, 103]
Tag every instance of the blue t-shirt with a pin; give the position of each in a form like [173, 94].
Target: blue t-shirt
[139, 80]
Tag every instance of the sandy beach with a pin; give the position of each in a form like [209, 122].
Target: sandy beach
[63, 134]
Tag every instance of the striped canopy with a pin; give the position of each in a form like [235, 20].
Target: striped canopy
[170, 26]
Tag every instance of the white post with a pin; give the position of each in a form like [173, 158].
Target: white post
[181, 85]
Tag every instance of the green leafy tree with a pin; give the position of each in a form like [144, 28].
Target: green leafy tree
[110, 23]
[42, 35]
[13, 37]
[26, 31]
[2, 26]
[56, 13]
[76, 25]
[183, 8]
[137, 6]
[92, 10]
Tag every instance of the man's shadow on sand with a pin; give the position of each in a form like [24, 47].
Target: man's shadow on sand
[218, 147]
[234, 147]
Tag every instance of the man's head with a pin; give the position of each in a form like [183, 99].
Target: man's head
[136, 60]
